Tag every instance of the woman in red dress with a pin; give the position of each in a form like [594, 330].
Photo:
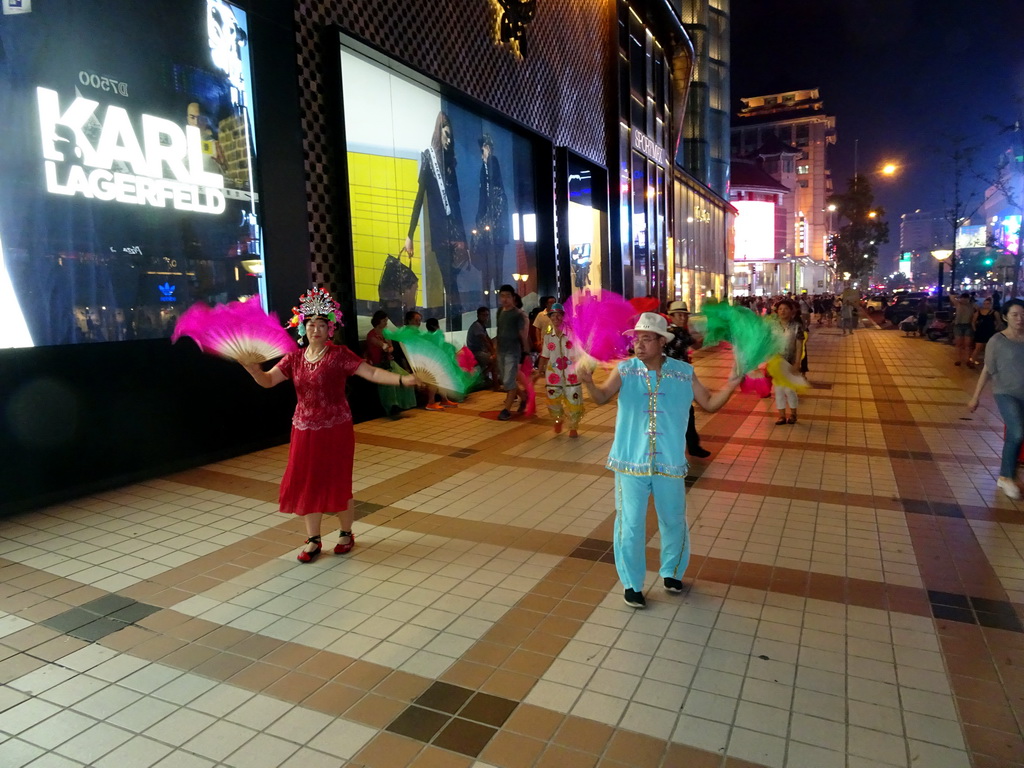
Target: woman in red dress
[318, 479]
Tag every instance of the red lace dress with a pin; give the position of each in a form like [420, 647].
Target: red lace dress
[319, 473]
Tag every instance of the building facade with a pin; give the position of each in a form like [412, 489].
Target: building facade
[705, 149]
[702, 257]
[403, 154]
[798, 119]
[763, 235]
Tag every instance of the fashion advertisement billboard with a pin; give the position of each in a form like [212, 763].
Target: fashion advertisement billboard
[126, 171]
[443, 202]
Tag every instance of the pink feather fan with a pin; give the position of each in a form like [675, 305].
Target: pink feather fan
[466, 359]
[597, 321]
[526, 372]
[238, 330]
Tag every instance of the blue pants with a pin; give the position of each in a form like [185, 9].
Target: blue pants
[1012, 410]
[631, 495]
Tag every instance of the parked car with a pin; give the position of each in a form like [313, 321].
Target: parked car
[907, 305]
[877, 303]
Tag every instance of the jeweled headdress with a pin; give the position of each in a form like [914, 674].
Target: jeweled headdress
[317, 303]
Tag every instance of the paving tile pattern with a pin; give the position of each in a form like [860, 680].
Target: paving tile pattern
[855, 598]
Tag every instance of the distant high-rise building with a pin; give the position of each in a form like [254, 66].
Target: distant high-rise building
[798, 120]
[921, 232]
[924, 231]
[704, 147]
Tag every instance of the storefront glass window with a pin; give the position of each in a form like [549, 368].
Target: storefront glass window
[443, 203]
[699, 244]
[587, 224]
[126, 168]
[643, 193]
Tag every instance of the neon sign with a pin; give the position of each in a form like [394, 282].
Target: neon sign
[647, 146]
[100, 172]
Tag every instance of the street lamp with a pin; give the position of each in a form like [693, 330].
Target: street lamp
[941, 255]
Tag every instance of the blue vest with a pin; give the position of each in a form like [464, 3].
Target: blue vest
[650, 426]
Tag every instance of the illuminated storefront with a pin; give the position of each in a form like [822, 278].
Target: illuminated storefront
[202, 150]
[699, 261]
[128, 182]
[763, 262]
[582, 205]
[131, 186]
[442, 199]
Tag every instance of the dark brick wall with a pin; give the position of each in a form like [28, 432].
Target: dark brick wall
[560, 89]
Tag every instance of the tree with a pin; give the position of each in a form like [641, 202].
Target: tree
[1009, 182]
[963, 202]
[856, 245]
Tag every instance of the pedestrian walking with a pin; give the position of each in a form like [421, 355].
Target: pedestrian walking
[1004, 365]
[513, 342]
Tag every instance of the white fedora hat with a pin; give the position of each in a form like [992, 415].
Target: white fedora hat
[651, 322]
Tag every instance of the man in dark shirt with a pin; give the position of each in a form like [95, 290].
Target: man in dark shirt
[513, 342]
[679, 348]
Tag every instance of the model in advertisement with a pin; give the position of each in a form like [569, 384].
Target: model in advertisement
[491, 233]
[446, 233]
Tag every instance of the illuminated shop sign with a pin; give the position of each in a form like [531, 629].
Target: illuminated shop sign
[907, 263]
[648, 147]
[84, 169]
[127, 184]
[972, 236]
[755, 230]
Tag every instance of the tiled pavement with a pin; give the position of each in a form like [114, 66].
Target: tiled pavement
[856, 600]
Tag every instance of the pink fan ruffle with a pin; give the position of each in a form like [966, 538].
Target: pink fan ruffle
[238, 330]
[466, 359]
[597, 322]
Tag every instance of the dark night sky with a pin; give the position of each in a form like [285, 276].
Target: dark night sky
[902, 76]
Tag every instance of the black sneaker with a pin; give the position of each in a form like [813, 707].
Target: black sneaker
[698, 452]
[634, 599]
[522, 407]
[504, 415]
[673, 585]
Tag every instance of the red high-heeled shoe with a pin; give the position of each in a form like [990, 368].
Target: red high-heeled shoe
[309, 557]
[340, 548]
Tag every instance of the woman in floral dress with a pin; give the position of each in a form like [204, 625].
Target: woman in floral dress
[557, 364]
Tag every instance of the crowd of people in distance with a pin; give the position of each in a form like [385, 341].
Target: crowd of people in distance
[826, 310]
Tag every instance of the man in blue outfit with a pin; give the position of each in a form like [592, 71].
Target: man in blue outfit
[648, 454]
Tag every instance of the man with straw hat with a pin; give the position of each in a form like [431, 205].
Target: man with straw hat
[648, 454]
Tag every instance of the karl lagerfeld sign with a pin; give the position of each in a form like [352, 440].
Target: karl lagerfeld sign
[647, 146]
